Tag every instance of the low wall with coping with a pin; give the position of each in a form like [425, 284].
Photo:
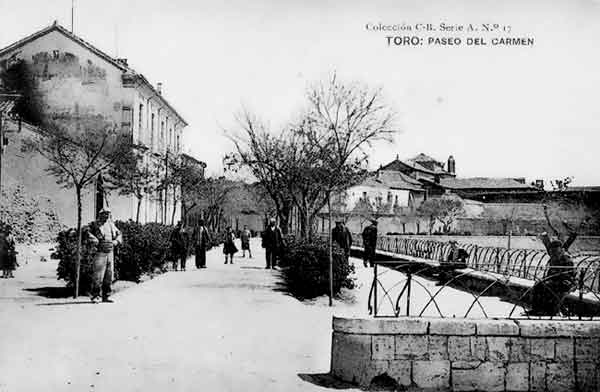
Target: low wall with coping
[468, 355]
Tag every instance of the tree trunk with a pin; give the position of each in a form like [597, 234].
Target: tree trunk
[283, 214]
[330, 251]
[78, 250]
[139, 205]
[303, 224]
[174, 206]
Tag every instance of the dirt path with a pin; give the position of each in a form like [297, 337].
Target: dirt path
[225, 328]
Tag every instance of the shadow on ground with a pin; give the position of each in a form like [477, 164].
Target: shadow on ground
[52, 292]
[326, 380]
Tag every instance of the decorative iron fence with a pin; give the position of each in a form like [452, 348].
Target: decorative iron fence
[443, 291]
[528, 264]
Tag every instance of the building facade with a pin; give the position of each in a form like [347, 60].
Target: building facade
[80, 87]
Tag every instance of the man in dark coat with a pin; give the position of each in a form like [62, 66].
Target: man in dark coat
[457, 258]
[369, 236]
[272, 241]
[341, 236]
[8, 255]
[560, 278]
[201, 244]
[179, 246]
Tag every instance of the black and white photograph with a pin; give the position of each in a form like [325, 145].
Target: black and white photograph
[299, 195]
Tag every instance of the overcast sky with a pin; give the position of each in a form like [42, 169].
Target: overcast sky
[501, 111]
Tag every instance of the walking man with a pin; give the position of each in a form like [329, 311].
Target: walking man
[341, 236]
[8, 254]
[179, 246]
[272, 241]
[106, 236]
[201, 244]
[245, 236]
[369, 236]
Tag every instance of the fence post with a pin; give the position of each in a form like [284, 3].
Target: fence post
[374, 289]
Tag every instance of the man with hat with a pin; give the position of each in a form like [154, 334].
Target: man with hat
[105, 235]
[369, 236]
[341, 236]
[201, 241]
[272, 241]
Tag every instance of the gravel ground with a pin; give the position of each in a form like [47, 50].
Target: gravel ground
[225, 328]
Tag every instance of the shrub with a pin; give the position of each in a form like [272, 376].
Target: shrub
[305, 268]
[66, 252]
[144, 250]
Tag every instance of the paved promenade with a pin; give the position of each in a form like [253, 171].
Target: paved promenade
[226, 328]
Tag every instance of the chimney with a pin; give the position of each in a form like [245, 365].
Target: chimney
[397, 157]
[539, 184]
[451, 165]
[159, 88]
[520, 180]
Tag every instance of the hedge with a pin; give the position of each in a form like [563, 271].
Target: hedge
[144, 250]
[305, 268]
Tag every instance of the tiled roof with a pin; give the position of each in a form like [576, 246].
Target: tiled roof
[483, 183]
[419, 163]
[392, 180]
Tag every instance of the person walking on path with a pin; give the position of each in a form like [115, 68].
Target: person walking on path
[179, 246]
[272, 241]
[201, 239]
[229, 248]
[245, 236]
[8, 254]
[105, 235]
[369, 236]
[341, 236]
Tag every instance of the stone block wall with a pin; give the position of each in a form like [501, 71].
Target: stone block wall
[468, 355]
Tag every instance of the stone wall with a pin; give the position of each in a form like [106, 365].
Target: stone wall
[468, 355]
[33, 218]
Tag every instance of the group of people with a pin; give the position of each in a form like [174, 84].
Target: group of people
[8, 253]
[182, 240]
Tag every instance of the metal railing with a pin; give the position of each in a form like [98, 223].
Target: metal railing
[531, 264]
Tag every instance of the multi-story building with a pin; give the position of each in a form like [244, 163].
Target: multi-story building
[80, 86]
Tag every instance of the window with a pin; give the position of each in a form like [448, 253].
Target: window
[178, 146]
[140, 118]
[162, 134]
[126, 119]
[152, 133]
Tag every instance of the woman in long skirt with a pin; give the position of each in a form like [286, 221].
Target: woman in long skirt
[229, 248]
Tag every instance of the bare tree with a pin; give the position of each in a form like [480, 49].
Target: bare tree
[444, 210]
[135, 177]
[265, 155]
[76, 160]
[186, 181]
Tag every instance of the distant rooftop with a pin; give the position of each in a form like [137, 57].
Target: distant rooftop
[483, 183]
[393, 180]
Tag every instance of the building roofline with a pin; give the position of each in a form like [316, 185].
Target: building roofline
[199, 162]
[125, 69]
